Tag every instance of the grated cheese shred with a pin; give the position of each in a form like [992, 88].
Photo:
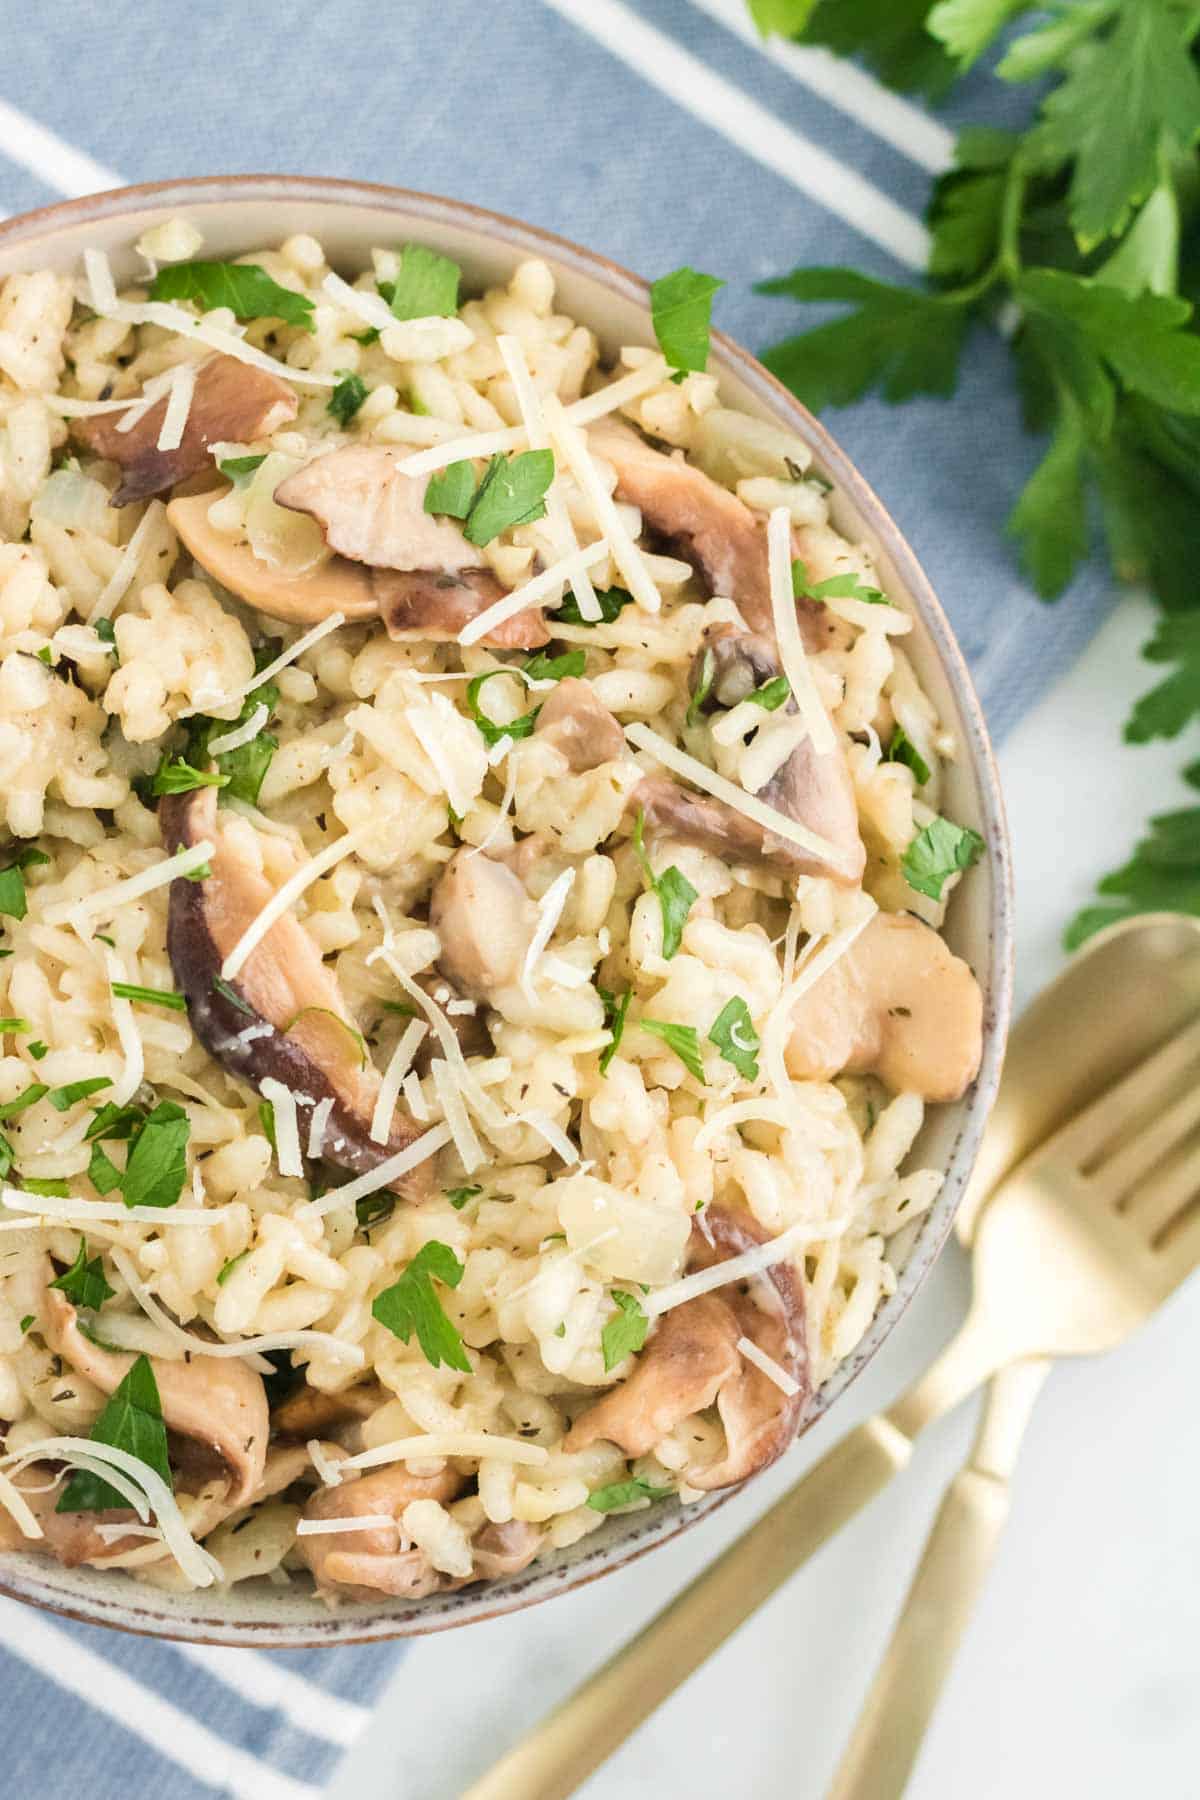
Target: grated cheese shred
[105, 901]
[531, 592]
[179, 405]
[386, 1172]
[399, 1064]
[767, 1366]
[568, 438]
[787, 633]
[550, 910]
[285, 898]
[287, 1126]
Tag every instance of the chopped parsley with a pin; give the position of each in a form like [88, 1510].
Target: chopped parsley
[347, 397]
[245, 288]
[675, 892]
[60, 1190]
[227, 1268]
[511, 492]
[240, 468]
[241, 770]
[459, 1197]
[939, 850]
[451, 490]
[132, 1421]
[682, 1039]
[62, 1098]
[681, 309]
[489, 730]
[837, 587]
[104, 630]
[37, 1049]
[14, 1025]
[103, 1173]
[84, 1282]
[157, 1166]
[615, 1013]
[27, 1097]
[177, 776]
[555, 668]
[234, 998]
[703, 688]
[168, 997]
[266, 1118]
[732, 1031]
[613, 602]
[903, 750]
[12, 880]
[25, 1323]
[625, 1493]
[411, 1304]
[625, 1332]
[426, 285]
[772, 694]
[373, 1209]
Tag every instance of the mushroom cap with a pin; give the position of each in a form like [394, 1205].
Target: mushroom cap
[579, 726]
[485, 921]
[304, 599]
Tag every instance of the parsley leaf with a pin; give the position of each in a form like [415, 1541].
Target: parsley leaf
[1162, 875]
[179, 777]
[157, 1166]
[967, 27]
[27, 1097]
[1140, 336]
[103, 1173]
[613, 601]
[835, 587]
[451, 490]
[489, 730]
[346, 397]
[732, 1031]
[898, 339]
[705, 676]
[681, 309]
[247, 290]
[772, 694]
[227, 1267]
[682, 1039]
[512, 492]
[426, 285]
[556, 668]
[242, 770]
[675, 892]
[132, 1421]
[625, 1332]
[615, 1013]
[458, 1197]
[84, 1282]
[939, 850]
[63, 1098]
[890, 35]
[240, 468]
[901, 749]
[624, 1493]
[12, 881]
[1175, 702]
[411, 1304]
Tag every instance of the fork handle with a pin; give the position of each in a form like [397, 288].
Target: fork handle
[953, 1570]
[556, 1758]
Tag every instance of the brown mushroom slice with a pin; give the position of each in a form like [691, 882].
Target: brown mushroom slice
[485, 921]
[371, 513]
[580, 728]
[233, 402]
[216, 1403]
[692, 1360]
[283, 984]
[366, 1562]
[899, 1004]
[305, 599]
[712, 529]
[309, 1412]
[426, 604]
[503, 1550]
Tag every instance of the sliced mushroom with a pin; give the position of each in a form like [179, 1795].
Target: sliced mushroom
[309, 1412]
[424, 604]
[738, 664]
[232, 403]
[372, 513]
[306, 599]
[370, 1562]
[283, 984]
[580, 727]
[692, 1360]
[502, 1550]
[899, 1004]
[712, 529]
[485, 921]
[217, 1404]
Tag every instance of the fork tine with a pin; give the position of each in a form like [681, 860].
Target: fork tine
[1164, 1196]
[1122, 1172]
[1178, 1251]
[1091, 1132]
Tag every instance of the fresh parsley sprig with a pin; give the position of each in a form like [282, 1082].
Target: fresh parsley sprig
[412, 1304]
[1085, 231]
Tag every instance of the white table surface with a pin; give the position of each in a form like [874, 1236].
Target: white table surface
[1080, 1674]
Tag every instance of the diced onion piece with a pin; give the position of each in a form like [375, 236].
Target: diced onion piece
[234, 740]
[571, 441]
[282, 901]
[768, 1366]
[550, 911]
[287, 1125]
[399, 1064]
[106, 901]
[478, 1444]
[787, 633]
[701, 776]
[538, 588]
[557, 517]
[128, 1035]
[179, 405]
[388, 1171]
[454, 1111]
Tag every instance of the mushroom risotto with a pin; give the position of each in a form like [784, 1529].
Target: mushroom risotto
[470, 905]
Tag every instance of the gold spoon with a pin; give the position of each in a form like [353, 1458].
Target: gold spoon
[1075, 1247]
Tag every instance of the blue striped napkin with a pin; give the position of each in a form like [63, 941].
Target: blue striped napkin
[659, 133]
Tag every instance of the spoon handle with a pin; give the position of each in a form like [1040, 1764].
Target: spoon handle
[957, 1558]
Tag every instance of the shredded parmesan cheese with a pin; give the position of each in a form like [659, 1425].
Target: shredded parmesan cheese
[362, 1522]
[816, 964]
[532, 592]
[769, 1367]
[220, 703]
[553, 1134]
[19, 1509]
[735, 1268]
[701, 776]
[372, 309]
[386, 1172]
[233, 740]
[326, 1467]
[770, 1112]
[285, 898]
[179, 405]
[550, 910]
[414, 1097]
[128, 1035]
[105, 901]
[787, 633]
[287, 1126]
[317, 1124]
[450, 1443]
[557, 517]
[573, 444]
[114, 589]
[389, 1088]
[427, 728]
[454, 1111]
[68, 1210]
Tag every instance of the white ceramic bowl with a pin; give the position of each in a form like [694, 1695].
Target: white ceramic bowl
[240, 213]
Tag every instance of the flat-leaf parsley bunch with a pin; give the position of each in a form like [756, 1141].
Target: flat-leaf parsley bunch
[1081, 238]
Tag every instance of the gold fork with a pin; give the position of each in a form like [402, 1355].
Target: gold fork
[1076, 1247]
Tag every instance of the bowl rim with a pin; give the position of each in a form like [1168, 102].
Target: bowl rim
[229, 191]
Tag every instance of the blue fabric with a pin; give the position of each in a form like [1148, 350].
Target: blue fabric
[519, 109]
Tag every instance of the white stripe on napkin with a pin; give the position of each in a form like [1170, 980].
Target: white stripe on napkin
[142, 1712]
[67, 170]
[262, 1682]
[890, 117]
[717, 103]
